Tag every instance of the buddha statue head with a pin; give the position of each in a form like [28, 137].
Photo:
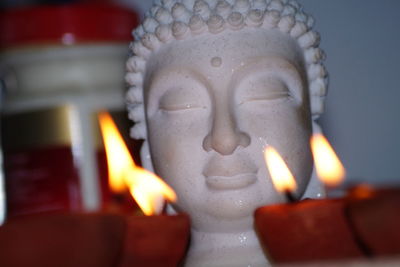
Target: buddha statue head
[212, 84]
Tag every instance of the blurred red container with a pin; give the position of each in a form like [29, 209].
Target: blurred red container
[61, 65]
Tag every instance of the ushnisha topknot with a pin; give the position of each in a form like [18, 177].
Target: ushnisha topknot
[171, 20]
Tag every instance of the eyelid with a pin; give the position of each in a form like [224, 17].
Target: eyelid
[266, 89]
[183, 106]
[272, 97]
[180, 99]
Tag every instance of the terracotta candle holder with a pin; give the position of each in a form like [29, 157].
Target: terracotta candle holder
[94, 240]
[363, 224]
[376, 220]
[155, 240]
[306, 231]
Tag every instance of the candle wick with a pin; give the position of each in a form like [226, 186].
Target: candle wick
[164, 209]
[289, 196]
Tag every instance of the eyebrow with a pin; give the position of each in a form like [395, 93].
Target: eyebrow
[177, 71]
[157, 77]
[270, 63]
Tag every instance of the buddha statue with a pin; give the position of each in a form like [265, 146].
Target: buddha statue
[212, 83]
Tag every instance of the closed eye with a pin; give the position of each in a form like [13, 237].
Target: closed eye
[181, 99]
[268, 97]
[180, 106]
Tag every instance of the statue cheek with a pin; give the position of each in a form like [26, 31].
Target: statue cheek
[178, 128]
[176, 141]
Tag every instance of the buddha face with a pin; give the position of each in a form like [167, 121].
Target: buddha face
[212, 104]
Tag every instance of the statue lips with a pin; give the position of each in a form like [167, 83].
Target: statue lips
[229, 172]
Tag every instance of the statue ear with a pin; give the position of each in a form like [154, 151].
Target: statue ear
[315, 188]
[146, 157]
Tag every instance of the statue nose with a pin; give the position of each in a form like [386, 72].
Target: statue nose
[224, 137]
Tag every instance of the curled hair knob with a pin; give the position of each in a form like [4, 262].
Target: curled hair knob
[255, 18]
[197, 24]
[163, 16]
[235, 21]
[271, 19]
[286, 23]
[223, 8]
[216, 24]
[179, 30]
[241, 6]
[202, 9]
[275, 5]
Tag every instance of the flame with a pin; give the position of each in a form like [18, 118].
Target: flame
[329, 168]
[146, 188]
[282, 178]
[118, 157]
[149, 190]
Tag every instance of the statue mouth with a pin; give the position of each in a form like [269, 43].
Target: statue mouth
[237, 181]
[230, 172]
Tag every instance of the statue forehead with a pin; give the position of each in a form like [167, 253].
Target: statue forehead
[231, 48]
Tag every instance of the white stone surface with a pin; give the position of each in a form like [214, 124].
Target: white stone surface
[208, 92]
[207, 127]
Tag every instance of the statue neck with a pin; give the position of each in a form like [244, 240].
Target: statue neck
[225, 249]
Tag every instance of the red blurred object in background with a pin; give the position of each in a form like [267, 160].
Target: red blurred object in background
[43, 160]
[66, 24]
[33, 185]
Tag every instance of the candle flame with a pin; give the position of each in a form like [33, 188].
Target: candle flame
[327, 164]
[149, 190]
[118, 157]
[281, 176]
[146, 188]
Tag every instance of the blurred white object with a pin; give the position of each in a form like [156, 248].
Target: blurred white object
[56, 82]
